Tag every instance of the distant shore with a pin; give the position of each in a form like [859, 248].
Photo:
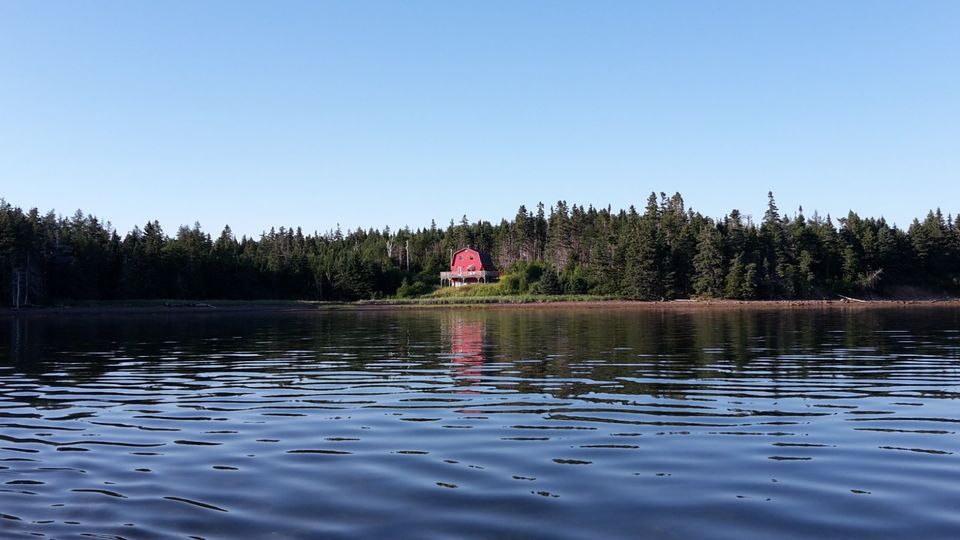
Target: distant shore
[682, 304]
[280, 306]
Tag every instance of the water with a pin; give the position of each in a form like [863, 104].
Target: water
[526, 423]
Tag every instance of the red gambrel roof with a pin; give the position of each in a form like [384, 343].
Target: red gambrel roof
[486, 261]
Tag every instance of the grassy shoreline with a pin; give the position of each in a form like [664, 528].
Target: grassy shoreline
[158, 307]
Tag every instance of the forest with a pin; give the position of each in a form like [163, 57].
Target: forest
[660, 252]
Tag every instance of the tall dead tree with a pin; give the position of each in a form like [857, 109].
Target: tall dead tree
[15, 288]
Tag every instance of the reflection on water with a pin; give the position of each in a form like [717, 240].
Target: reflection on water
[482, 423]
[465, 336]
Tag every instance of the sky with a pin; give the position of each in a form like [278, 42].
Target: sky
[373, 114]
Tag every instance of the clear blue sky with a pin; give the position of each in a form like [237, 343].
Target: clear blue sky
[392, 113]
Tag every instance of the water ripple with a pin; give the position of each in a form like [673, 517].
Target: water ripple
[438, 423]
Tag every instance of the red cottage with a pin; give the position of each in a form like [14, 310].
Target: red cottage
[469, 266]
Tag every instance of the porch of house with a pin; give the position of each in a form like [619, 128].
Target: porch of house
[458, 279]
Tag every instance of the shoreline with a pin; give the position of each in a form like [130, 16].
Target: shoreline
[237, 307]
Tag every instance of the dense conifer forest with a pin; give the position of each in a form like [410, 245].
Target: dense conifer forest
[662, 251]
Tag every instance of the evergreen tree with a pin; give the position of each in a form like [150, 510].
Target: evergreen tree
[549, 282]
[735, 279]
[708, 263]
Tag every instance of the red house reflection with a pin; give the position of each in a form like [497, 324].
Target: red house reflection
[466, 346]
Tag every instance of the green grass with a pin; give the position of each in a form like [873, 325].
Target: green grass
[480, 294]
[461, 300]
[468, 291]
[483, 293]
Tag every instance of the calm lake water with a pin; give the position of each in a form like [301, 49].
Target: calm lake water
[522, 423]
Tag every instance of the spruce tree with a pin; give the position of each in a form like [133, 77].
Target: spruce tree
[734, 282]
[708, 263]
[549, 283]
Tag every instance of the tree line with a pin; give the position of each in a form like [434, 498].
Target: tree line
[663, 251]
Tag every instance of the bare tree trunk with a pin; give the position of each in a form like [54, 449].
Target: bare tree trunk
[26, 291]
[16, 298]
[408, 255]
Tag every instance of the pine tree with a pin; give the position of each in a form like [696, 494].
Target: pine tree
[549, 283]
[735, 276]
[708, 263]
